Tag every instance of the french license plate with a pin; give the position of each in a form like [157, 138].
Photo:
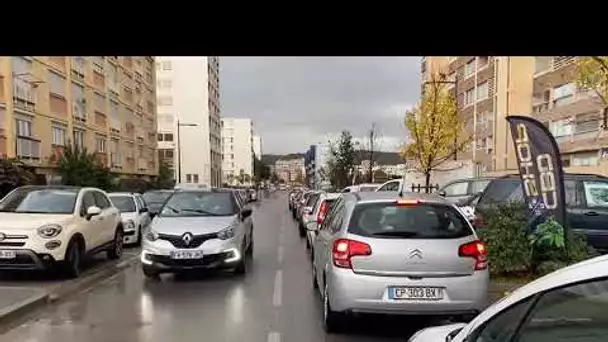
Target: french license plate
[186, 254]
[416, 293]
[7, 254]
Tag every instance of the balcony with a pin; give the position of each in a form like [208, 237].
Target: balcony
[546, 65]
[553, 109]
[23, 95]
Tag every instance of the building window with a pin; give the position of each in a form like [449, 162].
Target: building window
[166, 65]
[194, 178]
[160, 137]
[79, 139]
[585, 159]
[58, 135]
[164, 84]
[100, 144]
[24, 128]
[100, 102]
[564, 94]
[188, 178]
[482, 91]
[561, 128]
[482, 62]
[56, 84]
[115, 152]
[168, 136]
[469, 68]
[21, 65]
[78, 99]
[469, 96]
[165, 100]
[587, 124]
[114, 110]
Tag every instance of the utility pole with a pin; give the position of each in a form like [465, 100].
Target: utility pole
[372, 139]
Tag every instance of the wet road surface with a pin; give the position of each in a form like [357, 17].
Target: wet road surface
[274, 302]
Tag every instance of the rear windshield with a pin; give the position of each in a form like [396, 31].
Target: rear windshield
[502, 190]
[312, 200]
[420, 221]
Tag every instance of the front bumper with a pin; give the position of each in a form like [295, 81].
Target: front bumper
[130, 237]
[359, 293]
[26, 259]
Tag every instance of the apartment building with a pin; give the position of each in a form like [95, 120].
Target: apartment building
[189, 128]
[290, 169]
[106, 104]
[238, 148]
[257, 146]
[490, 88]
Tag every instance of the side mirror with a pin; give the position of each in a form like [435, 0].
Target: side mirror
[143, 210]
[153, 215]
[245, 213]
[442, 193]
[307, 210]
[92, 211]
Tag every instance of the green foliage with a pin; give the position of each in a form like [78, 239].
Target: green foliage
[81, 168]
[261, 171]
[548, 234]
[341, 161]
[593, 75]
[165, 179]
[506, 238]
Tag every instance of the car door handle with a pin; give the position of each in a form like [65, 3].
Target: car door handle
[592, 213]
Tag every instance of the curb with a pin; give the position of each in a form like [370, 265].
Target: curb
[61, 291]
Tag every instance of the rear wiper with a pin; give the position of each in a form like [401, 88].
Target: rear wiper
[396, 234]
[200, 211]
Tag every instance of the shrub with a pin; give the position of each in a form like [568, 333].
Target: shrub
[506, 237]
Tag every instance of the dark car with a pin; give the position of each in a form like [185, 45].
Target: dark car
[586, 203]
[155, 199]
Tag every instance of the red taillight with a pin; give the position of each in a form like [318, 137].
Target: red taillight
[344, 249]
[407, 203]
[322, 212]
[476, 250]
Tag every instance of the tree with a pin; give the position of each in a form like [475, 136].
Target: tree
[81, 168]
[241, 177]
[165, 179]
[341, 161]
[14, 173]
[593, 75]
[371, 144]
[435, 127]
[274, 178]
[261, 171]
[230, 178]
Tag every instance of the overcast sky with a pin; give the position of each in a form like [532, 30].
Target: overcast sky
[298, 101]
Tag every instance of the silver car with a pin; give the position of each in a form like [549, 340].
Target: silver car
[196, 230]
[380, 253]
[317, 216]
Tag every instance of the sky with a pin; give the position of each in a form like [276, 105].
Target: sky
[298, 101]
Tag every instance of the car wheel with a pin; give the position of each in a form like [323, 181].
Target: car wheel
[150, 272]
[73, 259]
[250, 248]
[115, 251]
[301, 230]
[331, 319]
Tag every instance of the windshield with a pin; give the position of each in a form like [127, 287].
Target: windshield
[312, 200]
[42, 201]
[368, 188]
[199, 203]
[156, 196]
[418, 221]
[125, 204]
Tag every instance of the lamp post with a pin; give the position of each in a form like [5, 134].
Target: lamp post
[455, 83]
[179, 148]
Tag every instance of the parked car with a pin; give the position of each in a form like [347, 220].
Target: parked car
[377, 252]
[155, 198]
[361, 187]
[134, 213]
[46, 226]
[306, 211]
[198, 230]
[566, 305]
[391, 185]
[317, 216]
[586, 203]
[461, 190]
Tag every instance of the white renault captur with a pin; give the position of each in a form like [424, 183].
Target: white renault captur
[41, 226]
[134, 213]
[196, 230]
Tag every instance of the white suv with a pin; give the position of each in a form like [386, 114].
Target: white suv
[41, 226]
[134, 213]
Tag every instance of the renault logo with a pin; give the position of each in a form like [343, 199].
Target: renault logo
[2, 236]
[187, 238]
[416, 253]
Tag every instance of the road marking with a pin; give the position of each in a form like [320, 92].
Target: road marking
[274, 336]
[277, 296]
[280, 253]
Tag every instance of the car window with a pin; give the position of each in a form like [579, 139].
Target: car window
[200, 203]
[572, 193]
[39, 200]
[156, 196]
[368, 188]
[125, 204]
[392, 186]
[330, 215]
[502, 326]
[574, 313]
[596, 193]
[337, 218]
[479, 185]
[394, 220]
[140, 202]
[457, 189]
[510, 190]
[312, 199]
[88, 200]
[101, 200]
[346, 190]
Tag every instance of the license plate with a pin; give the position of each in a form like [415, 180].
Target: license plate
[416, 293]
[186, 254]
[7, 254]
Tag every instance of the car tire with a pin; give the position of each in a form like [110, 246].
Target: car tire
[115, 251]
[150, 272]
[73, 260]
[250, 248]
[301, 230]
[241, 268]
[332, 320]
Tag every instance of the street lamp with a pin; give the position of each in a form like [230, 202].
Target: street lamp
[179, 148]
[455, 83]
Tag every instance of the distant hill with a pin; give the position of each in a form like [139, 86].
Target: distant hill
[382, 158]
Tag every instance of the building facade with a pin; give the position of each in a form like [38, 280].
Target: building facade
[104, 104]
[257, 146]
[491, 88]
[315, 161]
[238, 148]
[189, 127]
[291, 170]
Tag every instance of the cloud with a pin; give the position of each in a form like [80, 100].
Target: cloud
[298, 101]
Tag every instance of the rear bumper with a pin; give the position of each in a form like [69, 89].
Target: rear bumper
[357, 293]
[26, 259]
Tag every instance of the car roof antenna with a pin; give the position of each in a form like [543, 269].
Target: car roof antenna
[402, 185]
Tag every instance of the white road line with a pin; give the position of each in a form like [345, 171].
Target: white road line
[277, 296]
[280, 252]
[274, 336]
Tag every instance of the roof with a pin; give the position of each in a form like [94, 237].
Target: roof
[566, 175]
[58, 187]
[394, 195]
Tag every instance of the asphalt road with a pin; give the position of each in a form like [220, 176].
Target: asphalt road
[274, 302]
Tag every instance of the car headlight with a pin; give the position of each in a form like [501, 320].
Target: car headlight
[226, 233]
[49, 231]
[129, 225]
[152, 235]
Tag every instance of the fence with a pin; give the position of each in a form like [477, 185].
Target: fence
[423, 188]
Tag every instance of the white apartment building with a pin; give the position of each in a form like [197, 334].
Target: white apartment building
[257, 146]
[188, 107]
[237, 150]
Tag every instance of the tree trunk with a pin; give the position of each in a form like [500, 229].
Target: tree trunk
[427, 180]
